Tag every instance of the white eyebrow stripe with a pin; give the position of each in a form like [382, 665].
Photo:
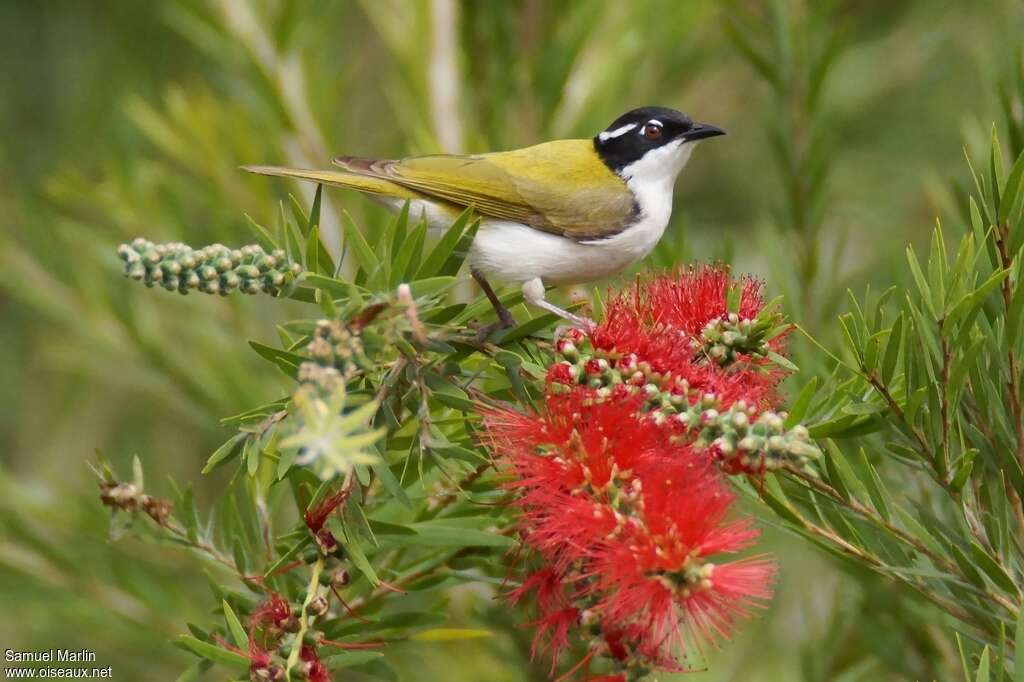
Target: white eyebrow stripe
[618, 132]
[656, 122]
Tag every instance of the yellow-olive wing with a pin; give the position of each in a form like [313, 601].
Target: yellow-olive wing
[560, 187]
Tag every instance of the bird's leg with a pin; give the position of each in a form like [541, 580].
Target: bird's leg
[505, 319]
[533, 292]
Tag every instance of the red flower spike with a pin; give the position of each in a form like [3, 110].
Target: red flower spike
[316, 517]
[628, 517]
[274, 612]
[631, 528]
[312, 667]
[561, 373]
[657, 322]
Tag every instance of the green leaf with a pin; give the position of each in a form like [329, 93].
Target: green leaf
[1018, 659]
[917, 529]
[431, 286]
[892, 349]
[261, 233]
[437, 534]
[354, 549]
[314, 212]
[225, 452]
[348, 659]
[287, 361]
[1012, 189]
[992, 568]
[775, 498]
[461, 250]
[922, 283]
[967, 566]
[874, 485]
[450, 635]
[530, 328]
[983, 664]
[407, 261]
[443, 249]
[357, 243]
[235, 626]
[391, 483]
[385, 528]
[802, 403]
[963, 472]
[336, 287]
[782, 361]
[214, 653]
[850, 479]
[137, 477]
[285, 558]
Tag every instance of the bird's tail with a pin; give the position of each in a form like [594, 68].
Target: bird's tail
[363, 183]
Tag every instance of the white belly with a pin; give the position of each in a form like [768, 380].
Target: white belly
[512, 252]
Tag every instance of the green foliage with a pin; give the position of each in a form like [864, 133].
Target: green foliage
[379, 427]
[139, 130]
[926, 388]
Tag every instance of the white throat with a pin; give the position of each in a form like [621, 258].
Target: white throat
[653, 177]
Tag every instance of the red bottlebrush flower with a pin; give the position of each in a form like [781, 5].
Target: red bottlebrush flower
[316, 517]
[274, 612]
[261, 663]
[561, 373]
[312, 667]
[685, 300]
[631, 526]
[619, 481]
[658, 321]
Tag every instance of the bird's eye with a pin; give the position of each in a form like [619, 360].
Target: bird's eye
[652, 131]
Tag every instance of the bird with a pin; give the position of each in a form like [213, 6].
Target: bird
[557, 213]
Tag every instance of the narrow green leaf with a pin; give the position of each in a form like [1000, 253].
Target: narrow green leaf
[431, 286]
[349, 659]
[1018, 658]
[922, 283]
[286, 361]
[137, 476]
[1014, 183]
[214, 653]
[356, 242]
[189, 516]
[917, 529]
[443, 249]
[992, 568]
[461, 250]
[892, 349]
[874, 485]
[285, 558]
[354, 550]
[314, 212]
[407, 260]
[802, 403]
[437, 534]
[261, 233]
[235, 626]
[983, 664]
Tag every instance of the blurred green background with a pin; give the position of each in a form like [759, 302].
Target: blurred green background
[847, 123]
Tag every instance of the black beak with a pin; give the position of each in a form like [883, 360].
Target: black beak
[701, 130]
